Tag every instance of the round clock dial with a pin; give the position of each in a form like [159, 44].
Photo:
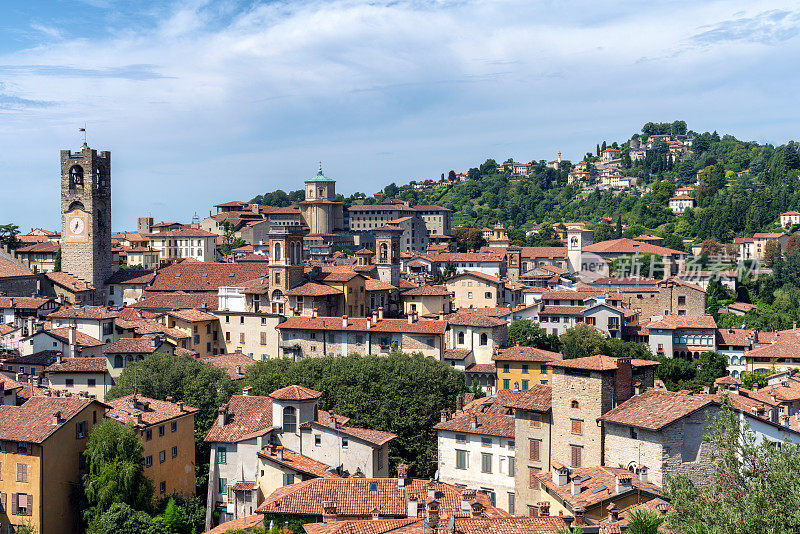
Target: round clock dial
[76, 226]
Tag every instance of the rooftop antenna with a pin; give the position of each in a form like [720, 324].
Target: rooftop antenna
[83, 130]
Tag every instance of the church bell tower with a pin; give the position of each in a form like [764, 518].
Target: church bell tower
[86, 217]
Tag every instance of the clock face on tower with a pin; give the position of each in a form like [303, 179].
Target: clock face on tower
[75, 226]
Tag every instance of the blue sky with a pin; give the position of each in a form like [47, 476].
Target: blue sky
[203, 102]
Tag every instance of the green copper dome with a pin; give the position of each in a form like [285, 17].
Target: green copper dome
[319, 177]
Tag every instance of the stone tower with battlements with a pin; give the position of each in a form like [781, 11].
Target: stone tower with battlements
[86, 217]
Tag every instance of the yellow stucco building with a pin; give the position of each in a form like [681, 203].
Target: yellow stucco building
[523, 367]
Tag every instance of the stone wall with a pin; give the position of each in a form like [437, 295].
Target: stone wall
[528, 494]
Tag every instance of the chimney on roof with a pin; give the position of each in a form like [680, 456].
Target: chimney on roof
[328, 511]
[575, 487]
[279, 449]
[374, 317]
[622, 483]
[402, 475]
[477, 509]
[411, 507]
[222, 415]
[380, 314]
[411, 318]
[138, 418]
[344, 321]
[433, 513]
[170, 398]
[642, 472]
[180, 406]
[376, 514]
[57, 418]
[247, 390]
[443, 416]
[613, 512]
[544, 508]
[755, 387]
[73, 336]
[58, 359]
[459, 402]
[314, 313]
[474, 423]
[560, 476]
[577, 512]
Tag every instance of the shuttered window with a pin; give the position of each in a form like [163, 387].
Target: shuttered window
[533, 482]
[576, 453]
[263, 338]
[535, 449]
[577, 426]
[22, 472]
[3, 502]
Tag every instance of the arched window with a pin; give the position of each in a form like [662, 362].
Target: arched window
[277, 255]
[384, 253]
[77, 205]
[575, 404]
[117, 361]
[461, 338]
[484, 339]
[289, 420]
[75, 176]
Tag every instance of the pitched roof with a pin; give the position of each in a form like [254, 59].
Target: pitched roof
[462, 525]
[174, 300]
[191, 315]
[486, 424]
[43, 357]
[8, 384]
[183, 232]
[68, 281]
[477, 274]
[83, 312]
[24, 303]
[298, 462]
[197, 276]
[468, 317]
[45, 246]
[11, 269]
[526, 354]
[599, 362]
[538, 399]
[248, 416]
[79, 365]
[146, 344]
[456, 354]
[427, 291]
[234, 363]
[152, 411]
[358, 496]
[34, 421]
[62, 334]
[358, 324]
[243, 523]
[312, 289]
[682, 321]
[629, 246]
[597, 485]
[131, 276]
[737, 337]
[295, 393]
[655, 408]
[373, 284]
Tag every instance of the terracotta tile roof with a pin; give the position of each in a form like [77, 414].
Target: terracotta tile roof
[736, 337]
[312, 289]
[183, 232]
[563, 310]
[248, 416]
[197, 276]
[742, 306]
[683, 321]
[298, 462]
[526, 354]
[358, 324]
[468, 317]
[130, 276]
[43, 357]
[599, 362]
[340, 276]
[68, 281]
[34, 421]
[174, 300]
[191, 315]
[134, 345]
[477, 274]
[79, 365]
[45, 246]
[486, 424]
[6, 329]
[234, 363]
[373, 284]
[295, 393]
[327, 418]
[768, 235]
[375, 437]
[149, 326]
[629, 246]
[11, 269]
[131, 314]
[599, 484]
[475, 257]
[533, 253]
[24, 303]
[463, 525]
[355, 497]
[428, 291]
[405, 284]
[83, 312]
[7, 384]
[243, 523]
[538, 398]
[656, 408]
[84, 340]
[656, 505]
[456, 354]
[481, 368]
[152, 411]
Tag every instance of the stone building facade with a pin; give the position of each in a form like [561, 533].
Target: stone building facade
[86, 216]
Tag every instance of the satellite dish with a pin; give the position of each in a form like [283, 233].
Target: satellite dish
[451, 523]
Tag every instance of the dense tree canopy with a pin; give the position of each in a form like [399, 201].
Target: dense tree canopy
[399, 393]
